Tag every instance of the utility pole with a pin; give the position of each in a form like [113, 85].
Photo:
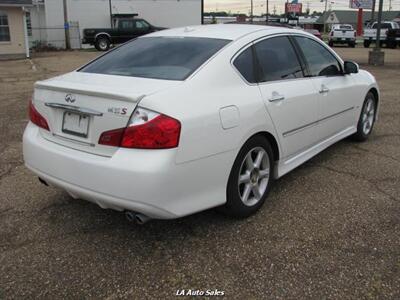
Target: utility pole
[66, 25]
[111, 18]
[266, 16]
[287, 12]
[325, 16]
[372, 12]
[377, 56]
[251, 12]
[378, 27]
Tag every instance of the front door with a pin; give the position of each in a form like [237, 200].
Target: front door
[290, 98]
[336, 91]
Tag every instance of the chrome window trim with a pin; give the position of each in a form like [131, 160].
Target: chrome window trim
[288, 34]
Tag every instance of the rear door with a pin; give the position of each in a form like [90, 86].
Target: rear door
[337, 93]
[289, 97]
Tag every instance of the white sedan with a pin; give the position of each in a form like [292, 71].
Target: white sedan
[187, 119]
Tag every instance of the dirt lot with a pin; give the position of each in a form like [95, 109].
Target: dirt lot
[331, 228]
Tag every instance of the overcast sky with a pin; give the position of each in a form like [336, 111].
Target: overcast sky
[243, 6]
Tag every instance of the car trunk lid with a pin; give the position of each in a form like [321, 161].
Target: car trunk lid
[79, 107]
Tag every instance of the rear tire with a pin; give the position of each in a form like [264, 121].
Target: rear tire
[330, 43]
[352, 44]
[367, 44]
[392, 44]
[366, 120]
[102, 44]
[250, 179]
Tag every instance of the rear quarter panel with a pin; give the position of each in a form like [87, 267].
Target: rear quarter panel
[197, 103]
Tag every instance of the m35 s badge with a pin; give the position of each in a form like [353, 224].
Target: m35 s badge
[118, 110]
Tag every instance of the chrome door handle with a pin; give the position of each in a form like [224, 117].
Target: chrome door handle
[323, 89]
[276, 97]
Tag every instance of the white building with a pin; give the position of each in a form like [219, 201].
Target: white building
[47, 16]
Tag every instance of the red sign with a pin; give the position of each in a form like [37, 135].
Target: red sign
[293, 7]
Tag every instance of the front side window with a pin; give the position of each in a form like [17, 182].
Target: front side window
[320, 61]
[244, 63]
[171, 58]
[141, 24]
[4, 27]
[277, 59]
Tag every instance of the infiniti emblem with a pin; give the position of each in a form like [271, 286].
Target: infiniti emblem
[70, 98]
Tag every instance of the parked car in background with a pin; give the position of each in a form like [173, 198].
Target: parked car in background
[390, 34]
[342, 34]
[314, 32]
[124, 30]
[187, 119]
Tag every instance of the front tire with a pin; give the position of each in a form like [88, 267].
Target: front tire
[250, 179]
[367, 43]
[102, 44]
[367, 118]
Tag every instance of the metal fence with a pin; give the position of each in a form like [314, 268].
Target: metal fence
[54, 37]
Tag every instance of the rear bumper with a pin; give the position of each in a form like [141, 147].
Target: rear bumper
[342, 40]
[144, 181]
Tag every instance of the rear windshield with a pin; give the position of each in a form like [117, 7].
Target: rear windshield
[171, 58]
[344, 27]
[383, 26]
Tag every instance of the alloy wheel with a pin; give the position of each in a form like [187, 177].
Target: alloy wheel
[254, 176]
[368, 116]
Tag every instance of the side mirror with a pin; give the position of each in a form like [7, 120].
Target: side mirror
[350, 67]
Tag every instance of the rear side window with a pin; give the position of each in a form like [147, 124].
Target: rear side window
[245, 65]
[319, 60]
[171, 58]
[277, 60]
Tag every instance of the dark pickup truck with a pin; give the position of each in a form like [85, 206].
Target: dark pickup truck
[124, 30]
[393, 38]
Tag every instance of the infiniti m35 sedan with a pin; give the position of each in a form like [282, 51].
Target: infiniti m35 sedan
[187, 119]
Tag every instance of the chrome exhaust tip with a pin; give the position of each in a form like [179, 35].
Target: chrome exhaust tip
[42, 181]
[136, 217]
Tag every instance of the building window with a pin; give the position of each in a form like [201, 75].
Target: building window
[4, 28]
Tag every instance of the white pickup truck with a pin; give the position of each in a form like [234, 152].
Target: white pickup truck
[342, 34]
[370, 33]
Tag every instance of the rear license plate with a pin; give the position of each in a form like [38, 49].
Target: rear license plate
[75, 124]
[343, 39]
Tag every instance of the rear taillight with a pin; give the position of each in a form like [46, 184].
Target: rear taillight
[355, 34]
[112, 137]
[36, 117]
[146, 130]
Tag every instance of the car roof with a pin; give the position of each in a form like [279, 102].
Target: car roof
[220, 31]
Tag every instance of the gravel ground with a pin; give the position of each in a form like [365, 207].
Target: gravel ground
[330, 229]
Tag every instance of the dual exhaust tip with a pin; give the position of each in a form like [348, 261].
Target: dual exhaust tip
[136, 217]
[130, 215]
